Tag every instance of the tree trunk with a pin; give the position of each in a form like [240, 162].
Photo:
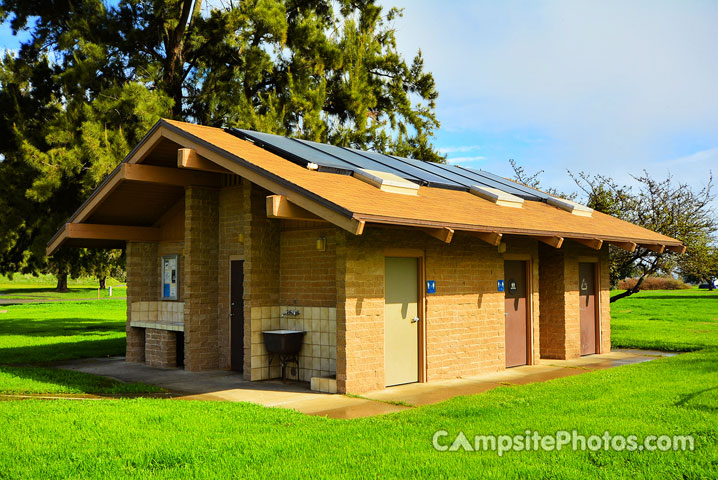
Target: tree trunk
[635, 289]
[61, 282]
[103, 283]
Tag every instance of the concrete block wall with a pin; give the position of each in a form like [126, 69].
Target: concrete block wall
[560, 321]
[464, 321]
[230, 246]
[261, 264]
[160, 348]
[201, 278]
[307, 276]
[143, 277]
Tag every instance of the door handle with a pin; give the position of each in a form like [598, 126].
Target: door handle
[415, 320]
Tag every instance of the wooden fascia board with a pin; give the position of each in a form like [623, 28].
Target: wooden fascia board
[57, 240]
[303, 198]
[279, 207]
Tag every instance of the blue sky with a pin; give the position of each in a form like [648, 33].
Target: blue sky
[610, 87]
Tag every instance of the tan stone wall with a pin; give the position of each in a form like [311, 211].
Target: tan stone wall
[230, 246]
[261, 264]
[143, 277]
[160, 348]
[307, 276]
[560, 321]
[201, 278]
[464, 321]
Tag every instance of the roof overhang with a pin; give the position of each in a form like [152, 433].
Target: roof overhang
[202, 156]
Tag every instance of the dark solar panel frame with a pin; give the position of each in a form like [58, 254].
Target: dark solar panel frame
[359, 161]
[345, 160]
[509, 184]
[403, 168]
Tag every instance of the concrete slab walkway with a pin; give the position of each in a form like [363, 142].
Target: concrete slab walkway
[229, 386]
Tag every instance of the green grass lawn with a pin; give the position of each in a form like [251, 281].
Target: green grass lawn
[28, 287]
[42, 333]
[670, 320]
[179, 439]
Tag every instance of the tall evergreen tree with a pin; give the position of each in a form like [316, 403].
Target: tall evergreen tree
[94, 76]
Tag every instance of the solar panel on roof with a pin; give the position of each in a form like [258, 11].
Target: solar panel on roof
[407, 169]
[508, 183]
[348, 160]
[293, 150]
[360, 161]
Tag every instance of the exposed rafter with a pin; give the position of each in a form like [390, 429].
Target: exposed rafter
[628, 246]
[279, 207]
[555, 242]
[90, 231]
[188, 158]
[443, 234]
[594, 243]
[681, 249]
[492, 238]
[654, 248]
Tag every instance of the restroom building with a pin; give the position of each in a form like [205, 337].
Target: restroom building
[398, 270]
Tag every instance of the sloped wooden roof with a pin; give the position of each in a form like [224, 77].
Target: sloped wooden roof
[351, 203]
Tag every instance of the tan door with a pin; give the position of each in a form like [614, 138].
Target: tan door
[587, 299]
[516, 313]
[401, 318]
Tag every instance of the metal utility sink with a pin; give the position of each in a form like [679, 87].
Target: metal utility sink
[286, 344]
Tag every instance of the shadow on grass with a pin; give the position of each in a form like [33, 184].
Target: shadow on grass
[39, 380]
[53, 352]
[672, 297]
[59, 327]
[693, 400]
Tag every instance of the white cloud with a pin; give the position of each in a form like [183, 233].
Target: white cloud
[461, 160]
[612, 85]
[459, 149]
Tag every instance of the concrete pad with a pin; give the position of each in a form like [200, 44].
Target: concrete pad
[229, 386]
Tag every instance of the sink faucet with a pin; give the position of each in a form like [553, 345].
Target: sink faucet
[292, 313]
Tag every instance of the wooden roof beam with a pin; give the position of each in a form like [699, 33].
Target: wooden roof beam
[90, 231]
[594, 243]
[168, 176]
[654, 248]
[555, 242]
[627, 246]
[492, 238]
[189, 158]
[279, 207]
[444, 234]
[680, 249]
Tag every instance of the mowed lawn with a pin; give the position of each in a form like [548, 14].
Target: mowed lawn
[149, 438]
[35, 334]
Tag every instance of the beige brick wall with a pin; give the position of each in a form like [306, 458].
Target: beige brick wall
[230, 246]
[201, 278]
[560, 322]
[143, 277]
[160, 348]
[261, 264]
[464, 322]
[307, 276]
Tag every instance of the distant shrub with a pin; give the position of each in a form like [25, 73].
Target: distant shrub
[654, 283]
